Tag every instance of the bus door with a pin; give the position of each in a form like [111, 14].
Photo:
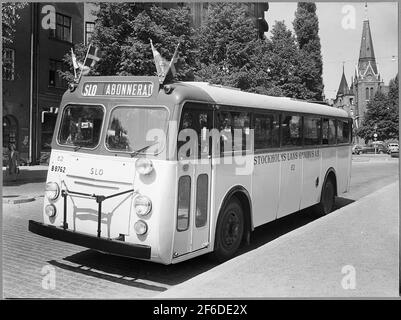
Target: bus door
[194, 179]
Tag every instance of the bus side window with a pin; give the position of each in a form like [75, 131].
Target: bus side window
[343, 131]
[312, 129]
[200, 122]
[266, 131]
[291, 130]
[241, 125]
[332, 131]
[325, 131]
[186, 123]
[224, 125]
[340, 131]
[234, 130]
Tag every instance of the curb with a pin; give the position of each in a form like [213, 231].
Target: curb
[18, 200]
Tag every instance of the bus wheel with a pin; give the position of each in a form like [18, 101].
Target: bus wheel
[229, 231]
[327, 200]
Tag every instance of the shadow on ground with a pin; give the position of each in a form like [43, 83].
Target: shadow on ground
[157, 277]
[25, 176]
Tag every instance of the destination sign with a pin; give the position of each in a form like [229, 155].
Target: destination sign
[142, 89]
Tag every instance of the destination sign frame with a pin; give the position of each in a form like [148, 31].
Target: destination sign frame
[119, 89]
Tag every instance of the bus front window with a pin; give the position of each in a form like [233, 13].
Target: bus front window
[81, 126]
[129, 129]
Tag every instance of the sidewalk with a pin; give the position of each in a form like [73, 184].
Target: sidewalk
[356, 245]
[373, 158]
[30, 184]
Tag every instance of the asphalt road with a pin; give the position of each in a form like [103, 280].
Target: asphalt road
[36, 267]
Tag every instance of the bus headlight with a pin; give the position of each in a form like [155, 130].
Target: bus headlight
[144, 166]
[50, 210]
[140, 227]
[52, 190]
[142, 205]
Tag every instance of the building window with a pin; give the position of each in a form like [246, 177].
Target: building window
[63, 28]
[367, 94]
[89, 29]
[55, 80]
[371, 93]
[8, 63]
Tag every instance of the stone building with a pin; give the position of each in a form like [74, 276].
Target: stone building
[32, 87]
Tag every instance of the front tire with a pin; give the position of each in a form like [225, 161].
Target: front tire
[229, 231]
[327, 199]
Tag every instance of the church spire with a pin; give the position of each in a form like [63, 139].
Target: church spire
[343, 88]
[366, 53]
[366, 11]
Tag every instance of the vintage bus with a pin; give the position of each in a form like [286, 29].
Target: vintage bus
[169, 172]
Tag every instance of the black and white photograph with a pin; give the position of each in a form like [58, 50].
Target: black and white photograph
[197, 150]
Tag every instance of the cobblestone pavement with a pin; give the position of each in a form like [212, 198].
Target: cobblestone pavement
[29, 259]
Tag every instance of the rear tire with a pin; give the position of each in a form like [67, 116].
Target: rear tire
[327, 199]
[229, 231]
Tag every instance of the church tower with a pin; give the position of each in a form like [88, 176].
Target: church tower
[345, 96]
[367, 78]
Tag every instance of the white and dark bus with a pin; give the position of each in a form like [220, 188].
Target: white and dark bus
[167, 173]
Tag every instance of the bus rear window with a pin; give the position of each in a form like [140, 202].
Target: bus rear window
[81, 126]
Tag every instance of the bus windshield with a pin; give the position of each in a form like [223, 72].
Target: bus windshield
[130, 128]
[81, 126]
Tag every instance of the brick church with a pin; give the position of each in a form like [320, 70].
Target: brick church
[365, 83]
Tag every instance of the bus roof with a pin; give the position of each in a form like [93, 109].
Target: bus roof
[235, 97]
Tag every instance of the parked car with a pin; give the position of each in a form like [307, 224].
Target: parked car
[356, 149]
[374, 148]
[392, 147]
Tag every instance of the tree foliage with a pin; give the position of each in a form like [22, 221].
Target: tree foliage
[10, 16]
[382, 112]
[122, 32]
[306, 27]
[225, 50]
[226, 42]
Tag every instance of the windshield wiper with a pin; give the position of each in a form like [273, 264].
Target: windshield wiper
[76, 148]
[136, 152]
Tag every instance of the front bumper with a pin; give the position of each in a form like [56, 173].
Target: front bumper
[116, 247]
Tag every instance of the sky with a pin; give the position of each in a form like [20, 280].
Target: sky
[340, 32]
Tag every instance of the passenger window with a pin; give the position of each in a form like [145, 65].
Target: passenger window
[343, 131]
[328, 132]
[291, 130]
[340, 137]
[196, 120]
[266, 131]
[234, 128]
[312, 129]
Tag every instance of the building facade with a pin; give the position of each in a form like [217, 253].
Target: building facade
[32, 86]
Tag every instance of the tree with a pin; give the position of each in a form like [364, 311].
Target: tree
[306, 27]
[278, 65]
[382, 114]
[122, 32]
[10, 16]
[225, 45]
